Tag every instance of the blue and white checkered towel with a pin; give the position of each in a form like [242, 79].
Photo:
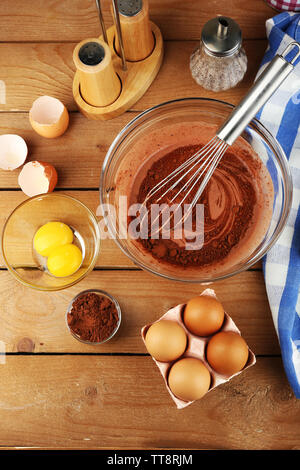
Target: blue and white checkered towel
[281, 116]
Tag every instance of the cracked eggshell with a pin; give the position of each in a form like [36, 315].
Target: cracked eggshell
[13, 151]
[49, 117]
[37, 178]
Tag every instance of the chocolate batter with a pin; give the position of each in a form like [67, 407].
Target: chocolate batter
[229, 201]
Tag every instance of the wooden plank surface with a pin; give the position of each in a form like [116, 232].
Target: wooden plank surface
[31, 70]
[38, 20]
[80, 401]
[143, 298]
[84, 145]
[63, 393]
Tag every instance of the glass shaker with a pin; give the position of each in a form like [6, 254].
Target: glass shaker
[220, 62]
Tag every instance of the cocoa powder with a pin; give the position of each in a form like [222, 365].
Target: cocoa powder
[221, 232]
[93, 317]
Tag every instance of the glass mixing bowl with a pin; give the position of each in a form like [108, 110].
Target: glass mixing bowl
[21, 226]
[191, 110]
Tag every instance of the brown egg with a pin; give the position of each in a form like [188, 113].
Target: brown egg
[166, 340]
[227, 352]
[189, 379]
[203, 315]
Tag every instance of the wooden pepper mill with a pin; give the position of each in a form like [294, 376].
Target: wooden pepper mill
[136, 29]
[115, 70]
[99, 83]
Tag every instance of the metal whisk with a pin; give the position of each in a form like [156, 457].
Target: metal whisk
[200, 166]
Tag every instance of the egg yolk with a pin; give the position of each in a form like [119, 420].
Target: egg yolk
[50, 236]
[64, 260]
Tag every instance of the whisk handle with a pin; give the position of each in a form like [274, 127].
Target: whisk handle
[264, 87]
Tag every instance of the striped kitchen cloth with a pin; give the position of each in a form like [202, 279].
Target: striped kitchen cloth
[281, 116]
[290, 5]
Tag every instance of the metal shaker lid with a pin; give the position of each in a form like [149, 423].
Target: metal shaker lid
[221, 36]
[91, 53]
[130, 7]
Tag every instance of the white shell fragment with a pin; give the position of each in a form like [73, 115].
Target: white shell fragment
[13, 151]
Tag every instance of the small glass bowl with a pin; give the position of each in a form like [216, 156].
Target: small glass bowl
[102, 294]
[21, 226]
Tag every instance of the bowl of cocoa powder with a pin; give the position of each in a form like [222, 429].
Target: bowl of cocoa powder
[93, 316]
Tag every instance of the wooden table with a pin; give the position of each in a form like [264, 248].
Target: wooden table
[61, 393]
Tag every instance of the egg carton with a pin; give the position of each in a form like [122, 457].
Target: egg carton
[196, 348]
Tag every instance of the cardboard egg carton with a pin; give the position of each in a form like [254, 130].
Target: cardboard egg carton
[196, 348]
